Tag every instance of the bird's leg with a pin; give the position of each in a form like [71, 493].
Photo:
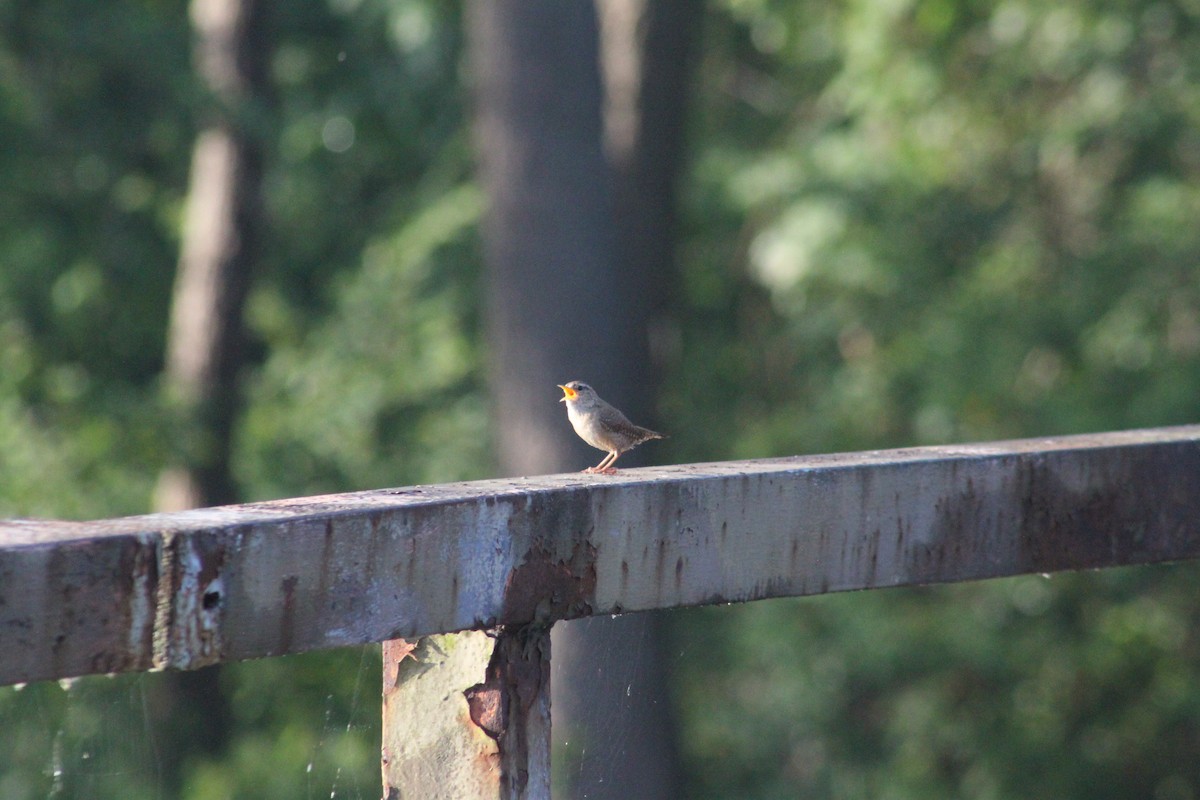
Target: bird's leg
[599, 467]
[607, 467]
[603, 467]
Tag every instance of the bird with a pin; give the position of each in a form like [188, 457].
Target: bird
[601, 425]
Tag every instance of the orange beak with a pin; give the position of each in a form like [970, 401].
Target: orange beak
[568, 393]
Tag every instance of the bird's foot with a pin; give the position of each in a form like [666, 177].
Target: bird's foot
[600, 471]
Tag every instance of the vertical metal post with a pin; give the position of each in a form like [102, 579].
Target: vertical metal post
[467, 716]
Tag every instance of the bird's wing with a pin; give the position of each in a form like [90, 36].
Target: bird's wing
[619, 424]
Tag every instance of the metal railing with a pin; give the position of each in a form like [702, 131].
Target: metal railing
[511, 557]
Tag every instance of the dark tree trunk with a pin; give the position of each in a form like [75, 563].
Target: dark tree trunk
[554, 307]
[578, 254]
[647, 59]
[205, 340]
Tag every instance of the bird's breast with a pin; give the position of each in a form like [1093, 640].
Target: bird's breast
[589, 428]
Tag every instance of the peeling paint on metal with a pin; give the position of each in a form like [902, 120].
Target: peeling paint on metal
[430, 747]
[512, 706]
[142, 594]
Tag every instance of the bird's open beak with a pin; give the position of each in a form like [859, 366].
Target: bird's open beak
[568, 393]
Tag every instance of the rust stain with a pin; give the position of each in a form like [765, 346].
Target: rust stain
[1069, 513]
[543, 589]
[485, 702]
[288, 619]
[394, 653]
[515, 689]
[660, 566]
[410, 564]
[325, 581]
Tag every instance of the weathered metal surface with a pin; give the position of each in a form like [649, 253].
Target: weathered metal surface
[512, 705]
[431, 748]
[187, 589]
[467, 715]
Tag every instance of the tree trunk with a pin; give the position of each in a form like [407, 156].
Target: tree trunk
[205, 340]
[578, 262]
[647, 59]
[221, 229]
[554, 306]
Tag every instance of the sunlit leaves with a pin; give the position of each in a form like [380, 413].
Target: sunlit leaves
[984, 190]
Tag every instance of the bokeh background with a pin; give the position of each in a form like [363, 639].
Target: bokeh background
[892, 223]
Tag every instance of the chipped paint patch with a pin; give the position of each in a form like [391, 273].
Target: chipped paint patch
[142, 593]
[191, 602]
[545, 588]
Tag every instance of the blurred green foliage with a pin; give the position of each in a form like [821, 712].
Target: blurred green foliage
[903, 223]
[303, 726]
[949, 221]
[922, 222]
[1072, 686]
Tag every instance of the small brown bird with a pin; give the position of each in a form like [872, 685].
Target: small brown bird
[602, 426]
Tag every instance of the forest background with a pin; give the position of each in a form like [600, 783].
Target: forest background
[897, 223]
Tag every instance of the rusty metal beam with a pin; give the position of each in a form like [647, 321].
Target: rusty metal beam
[186, 589]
